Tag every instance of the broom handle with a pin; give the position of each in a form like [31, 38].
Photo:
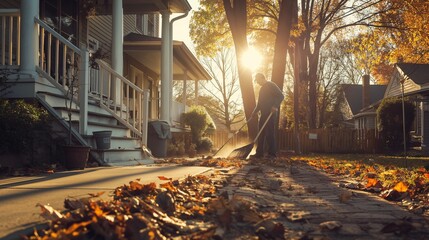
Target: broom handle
[263, 126]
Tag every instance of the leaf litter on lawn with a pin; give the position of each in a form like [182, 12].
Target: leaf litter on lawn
[408, 187]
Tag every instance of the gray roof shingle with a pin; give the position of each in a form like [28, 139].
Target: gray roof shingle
[353, 94]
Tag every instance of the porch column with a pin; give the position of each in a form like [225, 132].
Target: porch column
[83, 91]
[165, 67]
[196, 92]
[185, 90]
[117, 46]
[29, 38]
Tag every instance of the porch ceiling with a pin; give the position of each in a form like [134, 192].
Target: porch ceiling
[147, 50]
[148, 6]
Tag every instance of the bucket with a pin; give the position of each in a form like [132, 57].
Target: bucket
[76, 157]
[102, 139]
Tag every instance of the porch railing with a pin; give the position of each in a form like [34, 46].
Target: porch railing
[10, 22]
[130, 107]
[58, 59]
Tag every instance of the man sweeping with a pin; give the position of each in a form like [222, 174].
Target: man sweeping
[269, 100]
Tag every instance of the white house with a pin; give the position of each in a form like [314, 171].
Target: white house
[44, 42]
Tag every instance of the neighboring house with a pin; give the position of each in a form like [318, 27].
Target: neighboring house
[360, 103]
[42, 39]
[413, 80]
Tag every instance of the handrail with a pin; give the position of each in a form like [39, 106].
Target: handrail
[104, 65]
[130, 103]
[57, 55]
[10, 12]
[57, 35]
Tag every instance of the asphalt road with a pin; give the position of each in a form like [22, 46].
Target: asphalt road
[20, 195]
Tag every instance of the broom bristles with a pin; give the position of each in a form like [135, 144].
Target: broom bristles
[241, 152]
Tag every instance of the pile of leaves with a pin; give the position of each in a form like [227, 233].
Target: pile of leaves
[408, 187]
[188, 209]
[136, 211]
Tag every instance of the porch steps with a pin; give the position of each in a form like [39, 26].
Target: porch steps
[125, 150]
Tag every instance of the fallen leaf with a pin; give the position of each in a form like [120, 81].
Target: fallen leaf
[371, 182]
[164, 178]
[393, 195]
[49, 213]
[74, 204]
[330, 225]
[96, 194]
[401, 187]
[296, 216]
[166, 202]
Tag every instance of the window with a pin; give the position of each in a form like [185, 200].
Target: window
[148, 24]
[62, 16]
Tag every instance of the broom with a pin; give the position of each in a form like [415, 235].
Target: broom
[229, 139]
[243, 152]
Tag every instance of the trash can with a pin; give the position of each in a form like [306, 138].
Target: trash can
[158, 134]
[102, 139]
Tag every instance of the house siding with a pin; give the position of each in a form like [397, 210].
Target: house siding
[100, 28]
[395, 87]
[10, 4]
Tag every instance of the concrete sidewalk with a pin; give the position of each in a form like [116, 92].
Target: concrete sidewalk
[311, 205]
[19, 195]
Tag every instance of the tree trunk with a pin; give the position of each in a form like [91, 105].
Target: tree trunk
[297, 82]
[236, 14]
[287, 8]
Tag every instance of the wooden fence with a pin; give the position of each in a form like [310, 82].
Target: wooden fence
[317, 140]
[331, 141]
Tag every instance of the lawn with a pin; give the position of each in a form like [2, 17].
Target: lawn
[385, 160]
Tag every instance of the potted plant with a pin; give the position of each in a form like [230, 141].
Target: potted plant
[76, 156]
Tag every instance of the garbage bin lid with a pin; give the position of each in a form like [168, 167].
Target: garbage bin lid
[161, 128]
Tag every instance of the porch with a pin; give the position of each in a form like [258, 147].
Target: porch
[41, 63]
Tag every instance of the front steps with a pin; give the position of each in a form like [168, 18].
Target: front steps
[125, 150]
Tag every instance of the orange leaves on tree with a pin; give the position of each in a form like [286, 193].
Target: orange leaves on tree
[426, 175]
[401, 187]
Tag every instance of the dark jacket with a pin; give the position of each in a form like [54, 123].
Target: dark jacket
[270, 96]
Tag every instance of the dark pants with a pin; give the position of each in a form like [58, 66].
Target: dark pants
[267, 136]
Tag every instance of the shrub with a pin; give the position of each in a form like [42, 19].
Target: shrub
[192, 150]
[18, 120]
[389, 118]
[198, 119]
[172, 149]
[205, 145]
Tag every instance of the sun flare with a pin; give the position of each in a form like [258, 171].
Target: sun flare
[251, 59]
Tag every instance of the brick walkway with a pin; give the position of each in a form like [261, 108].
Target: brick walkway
[311, 205]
